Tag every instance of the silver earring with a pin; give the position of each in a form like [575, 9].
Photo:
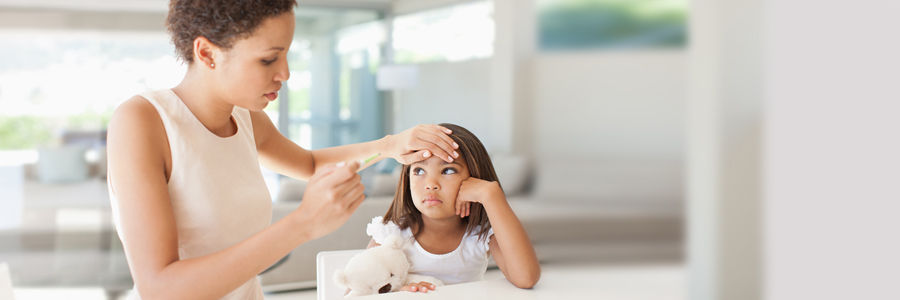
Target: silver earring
[212, 65]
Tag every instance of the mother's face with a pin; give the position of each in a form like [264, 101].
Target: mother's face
[253, 70]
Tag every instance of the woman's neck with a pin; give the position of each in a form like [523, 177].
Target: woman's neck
[198, 95]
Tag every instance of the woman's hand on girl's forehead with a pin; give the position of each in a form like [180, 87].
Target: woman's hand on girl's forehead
[421, 142]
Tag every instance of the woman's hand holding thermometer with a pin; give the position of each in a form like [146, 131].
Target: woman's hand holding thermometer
[364, 162]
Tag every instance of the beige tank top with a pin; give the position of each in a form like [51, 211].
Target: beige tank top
[217, 190]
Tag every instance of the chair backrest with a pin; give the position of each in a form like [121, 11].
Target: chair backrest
[326, 263]
[6, 289]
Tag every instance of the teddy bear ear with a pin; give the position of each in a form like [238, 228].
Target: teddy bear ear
[394, 241]
[340, 278]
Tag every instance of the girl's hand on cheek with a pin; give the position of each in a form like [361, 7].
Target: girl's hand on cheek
[421, 142]
[474, 190]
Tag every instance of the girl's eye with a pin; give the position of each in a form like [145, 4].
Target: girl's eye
[419, 171]
[269, 62]
[449, 171]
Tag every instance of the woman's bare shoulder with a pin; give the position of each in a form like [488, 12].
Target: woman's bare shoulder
[137, 116]
[137, 131]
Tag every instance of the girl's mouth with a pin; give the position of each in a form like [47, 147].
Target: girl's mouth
[271, 96]
[432, 200]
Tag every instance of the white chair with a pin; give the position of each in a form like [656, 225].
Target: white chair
[326, 263]
[6, 289]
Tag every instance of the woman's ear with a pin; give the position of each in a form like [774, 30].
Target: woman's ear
[205, 52]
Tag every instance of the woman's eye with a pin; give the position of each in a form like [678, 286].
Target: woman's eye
[419, 171]
[269, 62]
[449, 171]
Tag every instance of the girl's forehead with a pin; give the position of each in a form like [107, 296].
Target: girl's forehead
[435, 161]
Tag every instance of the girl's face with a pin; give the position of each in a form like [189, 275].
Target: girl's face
[434, 185]
[253, 70]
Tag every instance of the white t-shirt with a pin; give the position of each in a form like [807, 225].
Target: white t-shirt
[465, 264]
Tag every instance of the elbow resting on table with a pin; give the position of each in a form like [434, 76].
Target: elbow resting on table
[526, 281]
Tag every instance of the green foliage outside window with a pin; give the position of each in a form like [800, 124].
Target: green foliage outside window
[32, 132]
[579, 24]
[24, 132]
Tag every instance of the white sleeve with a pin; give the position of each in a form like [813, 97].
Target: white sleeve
[379, 231]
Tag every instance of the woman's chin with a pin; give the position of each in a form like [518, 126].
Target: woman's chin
[256, 106]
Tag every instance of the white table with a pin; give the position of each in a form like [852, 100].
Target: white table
[587, 281]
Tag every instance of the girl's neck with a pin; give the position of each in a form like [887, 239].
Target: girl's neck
[199, 96]
[450, 226]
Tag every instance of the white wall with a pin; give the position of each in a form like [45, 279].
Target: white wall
[610, 105]
[794, 150]
[457, 93]
[596, 105]
[611, 121]
[832, 226]
[724, 158]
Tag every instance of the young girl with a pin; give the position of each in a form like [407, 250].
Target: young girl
[458, 216]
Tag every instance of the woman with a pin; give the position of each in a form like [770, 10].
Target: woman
[188, 199]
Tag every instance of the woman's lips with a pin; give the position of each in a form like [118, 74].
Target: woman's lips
[271, 96]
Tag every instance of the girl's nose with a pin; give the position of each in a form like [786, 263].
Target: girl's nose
[432, 186]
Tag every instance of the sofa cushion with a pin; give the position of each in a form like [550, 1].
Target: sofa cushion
[627, 182]
[513, 172]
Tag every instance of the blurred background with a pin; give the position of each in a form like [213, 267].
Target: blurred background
[617, 127]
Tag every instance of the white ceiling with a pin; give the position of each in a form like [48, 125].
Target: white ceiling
[162, 5]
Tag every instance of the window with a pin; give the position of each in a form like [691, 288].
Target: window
[454, 33]
[582, 24]
[63, 81]
[330, 99]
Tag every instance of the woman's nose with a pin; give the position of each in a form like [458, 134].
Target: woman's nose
[284, 73]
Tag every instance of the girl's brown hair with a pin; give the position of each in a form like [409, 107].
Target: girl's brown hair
[403, 211]
[222, 22]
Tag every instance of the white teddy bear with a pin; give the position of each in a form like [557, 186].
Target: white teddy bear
[380, 269]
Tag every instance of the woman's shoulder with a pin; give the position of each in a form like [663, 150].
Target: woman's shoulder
[137, 131]
[136, 116]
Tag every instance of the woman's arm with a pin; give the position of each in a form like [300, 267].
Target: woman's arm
[137, 160]
[280, 154]
[510, 245]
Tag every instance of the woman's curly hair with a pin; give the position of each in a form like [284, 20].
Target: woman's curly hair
[222, 22]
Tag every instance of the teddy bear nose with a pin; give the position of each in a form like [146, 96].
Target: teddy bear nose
[385, 289]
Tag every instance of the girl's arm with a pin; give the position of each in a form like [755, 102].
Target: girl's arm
[138, 149]
[510, 245]
[280, 154]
